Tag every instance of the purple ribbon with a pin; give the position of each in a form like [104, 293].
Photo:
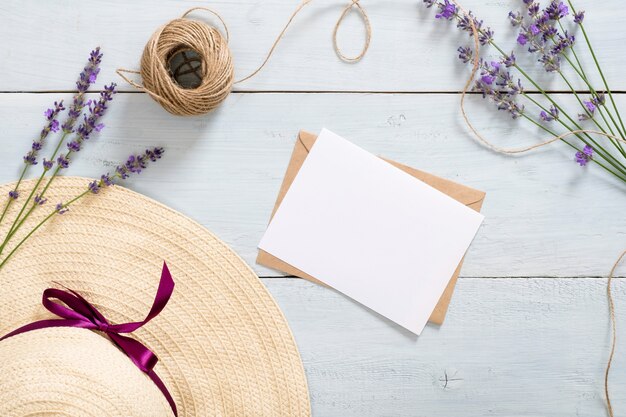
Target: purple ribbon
[80, 313]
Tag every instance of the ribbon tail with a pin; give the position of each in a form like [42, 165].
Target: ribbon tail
[161, 385]
[140, 355]
[44, 324]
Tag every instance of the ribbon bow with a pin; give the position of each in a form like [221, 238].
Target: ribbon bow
[78, 312]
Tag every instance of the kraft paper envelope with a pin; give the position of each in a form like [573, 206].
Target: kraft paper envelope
[466, 195]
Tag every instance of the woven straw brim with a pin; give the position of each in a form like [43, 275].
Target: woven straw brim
[224, 346]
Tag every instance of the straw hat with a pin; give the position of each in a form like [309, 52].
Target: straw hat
[224, 346]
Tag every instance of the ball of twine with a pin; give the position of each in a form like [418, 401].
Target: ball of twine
[210, 50]
[215, 71]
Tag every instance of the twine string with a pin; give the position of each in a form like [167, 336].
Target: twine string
[613, 333]
[523, 149]
[215, 58]
[368, 32]
[214, 13]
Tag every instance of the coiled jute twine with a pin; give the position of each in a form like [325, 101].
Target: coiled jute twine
[212, 59]
[520, 150]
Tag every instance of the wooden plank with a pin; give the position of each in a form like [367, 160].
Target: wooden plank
[46, 43]
[509, 347]
[544, 214]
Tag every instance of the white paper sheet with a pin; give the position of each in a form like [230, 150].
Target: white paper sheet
[371, 231]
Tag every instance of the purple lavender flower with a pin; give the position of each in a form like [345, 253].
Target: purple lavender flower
[534, 30]
[90, 123]
[154, 153]
[509, 60]
[86, 78]
[599, 99]
[465, 54]
[488, 79]
[562, 42]
[590, 109]
[583, 158]
[13, 194]
[516, 18]
[447, 10]
[61, 209]
[551, 62]
[579, 17]
[74, 146]
[39, 200]
[533, 8]
[30, 158]
[51, 116]
[136, 163]
[430, 3]
[465, 22]
[549, 32]
[485, 36]
[94, 187]
[522, 39]
[556, 10]
[90, 72]
[106, 180]
[47, 165]
[63, 162]
[552, 115]
[497, 83]
[52, 126]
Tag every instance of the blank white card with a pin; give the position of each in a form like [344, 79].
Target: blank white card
[371, 231]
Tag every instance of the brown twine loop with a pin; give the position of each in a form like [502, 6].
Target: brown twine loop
[216, 69]
[368, 32]
[510, 151]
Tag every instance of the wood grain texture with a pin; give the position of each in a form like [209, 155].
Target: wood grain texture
[508, 348]
[545, 216]
[46, 43]
[527, 333]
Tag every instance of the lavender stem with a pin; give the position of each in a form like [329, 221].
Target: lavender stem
[595, 59]
[13, 227]
[4, 261]
[619, 167]
[10, 200]
[623, 178]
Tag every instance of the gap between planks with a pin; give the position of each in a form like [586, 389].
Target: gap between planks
[484, 278]
[320, 92]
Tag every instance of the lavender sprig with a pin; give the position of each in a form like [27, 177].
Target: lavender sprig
[87, 77]
[94, 187]
[52, 126]
[583, 157]
[30, 158]
[542, 34]
[134, 165]
[542, 29]
[91, 123]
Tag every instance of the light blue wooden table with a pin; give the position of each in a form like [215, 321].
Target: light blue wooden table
[527, 333]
